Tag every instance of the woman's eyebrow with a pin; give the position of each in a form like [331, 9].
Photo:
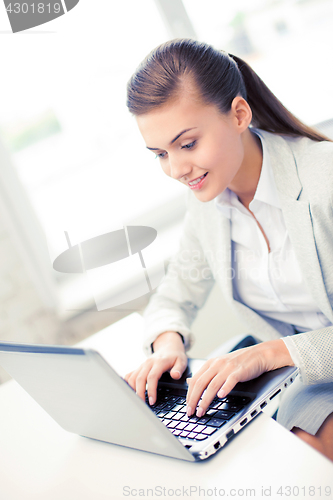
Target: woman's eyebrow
[173, 140]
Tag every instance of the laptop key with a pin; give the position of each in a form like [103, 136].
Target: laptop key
[190, 427]
[209, 430]
[225, 415]
[158, 405]
[176, 432]
[161, 414]
[230, 406]
[236, 408]
[243, 400]
[177, 416]
[155, 410]
[172, 424]
[211, 413]
[203, 420]
[173, 399]
[181, 401]
[200, 437]
[163, 397]
[215, 405]
[178, 407]
[168, 406]
[192, 435]
[216, 422]
[181, 425]
[170, 415]
[200, 428]
[184, 434]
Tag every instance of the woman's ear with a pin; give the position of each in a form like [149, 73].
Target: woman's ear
[242, 113]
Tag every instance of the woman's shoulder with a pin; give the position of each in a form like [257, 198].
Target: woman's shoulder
[314, 161]
[305, 145]
[314, 156]
[306, 152]
[295, 141]
[302, 160]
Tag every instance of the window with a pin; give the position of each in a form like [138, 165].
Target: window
[63, 114]
[64, 117]
[287, 42]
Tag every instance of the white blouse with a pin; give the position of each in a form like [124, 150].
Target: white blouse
[271, 283]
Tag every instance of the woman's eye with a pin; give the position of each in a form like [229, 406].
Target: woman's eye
[189, 146]
[160, 155]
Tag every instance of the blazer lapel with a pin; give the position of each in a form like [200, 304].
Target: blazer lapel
[297, 216]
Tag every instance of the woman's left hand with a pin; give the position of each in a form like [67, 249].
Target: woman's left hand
[218, 376]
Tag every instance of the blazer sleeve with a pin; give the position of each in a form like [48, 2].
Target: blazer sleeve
[182, 292]
[312, 353]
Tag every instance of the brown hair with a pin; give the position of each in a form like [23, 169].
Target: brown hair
[219, 78]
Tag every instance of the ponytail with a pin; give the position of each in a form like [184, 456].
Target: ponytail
[218, 78]
[268, 113]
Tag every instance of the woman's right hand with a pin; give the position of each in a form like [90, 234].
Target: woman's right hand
[169, 354]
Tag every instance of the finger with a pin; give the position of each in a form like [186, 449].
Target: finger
[191, 381]
[229, 384]
[178, 368]
[156, 372]
[209, 394]
[196, 390]
[131, 379]
[202, 370]
[141, 381]
[152, 381]
[127, 376]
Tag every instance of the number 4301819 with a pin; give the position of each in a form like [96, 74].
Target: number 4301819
[40, 8]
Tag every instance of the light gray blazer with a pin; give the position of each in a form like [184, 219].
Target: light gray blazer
[303, 172]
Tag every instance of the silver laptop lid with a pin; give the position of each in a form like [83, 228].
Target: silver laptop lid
[81, 392]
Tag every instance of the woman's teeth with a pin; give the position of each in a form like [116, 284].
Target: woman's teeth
[196, 181]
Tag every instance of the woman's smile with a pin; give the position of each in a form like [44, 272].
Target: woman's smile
[198, 182]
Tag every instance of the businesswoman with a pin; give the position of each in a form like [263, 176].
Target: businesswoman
[259, 223]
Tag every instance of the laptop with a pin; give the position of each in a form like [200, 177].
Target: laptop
[85, 395]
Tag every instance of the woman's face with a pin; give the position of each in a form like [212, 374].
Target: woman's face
[196, 144]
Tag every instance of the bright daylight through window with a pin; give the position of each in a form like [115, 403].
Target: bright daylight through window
[72, 140]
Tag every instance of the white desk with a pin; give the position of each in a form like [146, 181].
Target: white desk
[41, 461]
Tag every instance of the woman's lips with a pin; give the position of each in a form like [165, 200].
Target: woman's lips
[198, 182]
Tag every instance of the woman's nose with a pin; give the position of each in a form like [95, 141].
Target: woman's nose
[179, 168]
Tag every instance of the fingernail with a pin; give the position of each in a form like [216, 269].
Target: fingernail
[189, 411]
[176, 374]
[200, 412]
[151, 400]
[221, 394]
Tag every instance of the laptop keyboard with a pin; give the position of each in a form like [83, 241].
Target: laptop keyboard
[171, 410]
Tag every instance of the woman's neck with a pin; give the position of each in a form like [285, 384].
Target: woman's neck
[245, 183]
